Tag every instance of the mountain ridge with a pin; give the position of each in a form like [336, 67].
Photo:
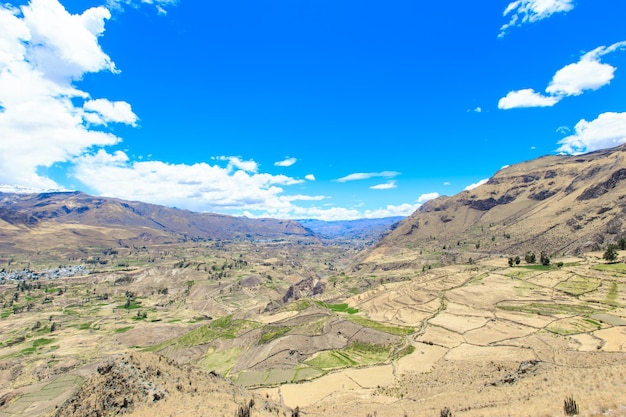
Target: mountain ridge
[81, 219]
[558, 204]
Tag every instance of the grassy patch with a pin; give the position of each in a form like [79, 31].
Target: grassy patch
[123, 329]
[84, 326]
[28, 351]
[578, 285]
[357, 354]
[519, 273]
[299, 305]
[407, 350]
[538, 267]
[616, 267]
[387, 328]
[273, 332]
[574, 325]
[330, 360]
[222, 328]
[133, 304]
[612, 294]
[42, 342]
[550, 309]
[339, 308]
[220, 362]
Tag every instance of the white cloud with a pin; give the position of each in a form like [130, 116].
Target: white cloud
[606, 131]
[586, 74]
[529, 11]
[43, 50]
[309, 177]
[235, 162]
[102, 111]
[367, 175]
[287, 162]
[386, 186]
[426, 197]
[63, 45]
[477, 184]
[526, 98]
[571, 80]
[198, 187]
[392, 211]
[160, 5]
[447, 183]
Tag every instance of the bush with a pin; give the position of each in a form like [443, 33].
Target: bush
[570, 407]
[243, 411]
[611, 253]
[545, 259]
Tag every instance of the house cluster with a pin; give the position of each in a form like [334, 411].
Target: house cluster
[27, 274]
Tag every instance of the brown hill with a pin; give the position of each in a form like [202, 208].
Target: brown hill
[142, 384]
[558, 204]
[46, 220]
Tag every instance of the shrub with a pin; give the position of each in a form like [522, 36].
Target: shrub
[570, 407]
[611, 253]
[243, 411]
[445, 412]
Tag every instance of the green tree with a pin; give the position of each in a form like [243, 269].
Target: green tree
[610, 254]
[511, 262]
[517, 260]
[545, 259]
[622, 244]
[530, 257]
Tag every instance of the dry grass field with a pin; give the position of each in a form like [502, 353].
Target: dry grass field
[483, 339]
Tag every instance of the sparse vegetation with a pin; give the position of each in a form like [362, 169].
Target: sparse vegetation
[530, 257]
[610, 254]
[570, 407]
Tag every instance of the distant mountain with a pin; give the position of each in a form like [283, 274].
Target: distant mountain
[557, 204]
[364, 229]
[55, 219]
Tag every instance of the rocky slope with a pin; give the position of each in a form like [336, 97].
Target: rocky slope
[557, 204]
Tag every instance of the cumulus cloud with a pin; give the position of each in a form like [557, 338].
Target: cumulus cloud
[309, 177]
[103, 111]
[367, 175]
[287, 162]
[571, 80]
[198, 187]
[606, 131]
[426, 197]
[160, 5]
[235, 162]
[477, 184]
[529, 11]
[526, 98]
[43, 50]
[386, 186]
[586, 74]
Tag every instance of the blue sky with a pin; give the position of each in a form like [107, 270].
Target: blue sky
[301, 109]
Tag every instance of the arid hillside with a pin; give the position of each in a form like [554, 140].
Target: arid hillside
[55, 220]
[558, 204]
